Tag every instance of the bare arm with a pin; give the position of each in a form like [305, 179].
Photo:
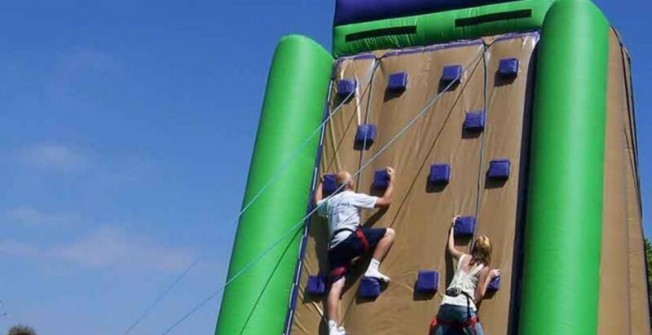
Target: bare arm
[486, 276]
[386, 199]
[451, 241]
[319, 194]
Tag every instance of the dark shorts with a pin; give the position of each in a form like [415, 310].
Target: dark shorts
[340, 256]
[453, 319]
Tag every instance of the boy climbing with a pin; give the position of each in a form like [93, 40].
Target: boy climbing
[348, 240]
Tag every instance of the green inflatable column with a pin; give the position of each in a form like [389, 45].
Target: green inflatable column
[564, 216]
[256, 302]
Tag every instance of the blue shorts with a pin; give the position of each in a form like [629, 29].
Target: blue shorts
[341, 255]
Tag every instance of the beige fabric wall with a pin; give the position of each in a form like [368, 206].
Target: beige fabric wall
[614, 317]
[637, 276]
[421, 216]
[623, 287]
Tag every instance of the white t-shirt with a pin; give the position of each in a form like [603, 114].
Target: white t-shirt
[343, 212]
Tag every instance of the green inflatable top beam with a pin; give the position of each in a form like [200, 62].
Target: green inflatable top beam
[419, 30]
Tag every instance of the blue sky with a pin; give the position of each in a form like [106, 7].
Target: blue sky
[126, 130]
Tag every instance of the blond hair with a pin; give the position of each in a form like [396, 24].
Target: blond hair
[481, 251]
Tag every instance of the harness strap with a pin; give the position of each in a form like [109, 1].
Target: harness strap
[359, 234]
[363, 240]
[338, 271]
[341, 230]
[468, 303]
[470, 323]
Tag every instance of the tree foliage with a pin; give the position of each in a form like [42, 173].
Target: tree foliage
[21, 330]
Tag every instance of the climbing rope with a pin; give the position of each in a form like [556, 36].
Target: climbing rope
[483, 54]
[362, 151]
[290, 231]
[160, 297]
[369, 99]
[367, 78]
[485, 110]
[366, 122]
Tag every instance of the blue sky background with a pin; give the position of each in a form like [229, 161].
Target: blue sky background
[126, 129]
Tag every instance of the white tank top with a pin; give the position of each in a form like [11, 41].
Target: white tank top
[467, 282]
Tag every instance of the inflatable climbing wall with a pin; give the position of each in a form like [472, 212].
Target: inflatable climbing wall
[473, 132]
[516, 115]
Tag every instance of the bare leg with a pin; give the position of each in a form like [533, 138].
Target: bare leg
[384, 245]
[380, 252]
[334, 296]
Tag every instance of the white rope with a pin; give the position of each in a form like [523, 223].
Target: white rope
[484, 134]
[289, 232]
[368, 77]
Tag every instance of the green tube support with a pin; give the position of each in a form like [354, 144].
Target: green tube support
[564, 217]
[256, 301]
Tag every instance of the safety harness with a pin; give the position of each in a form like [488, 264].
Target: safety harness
[338, 271]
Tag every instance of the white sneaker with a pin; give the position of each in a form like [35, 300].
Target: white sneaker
[337, 331]
[377, 275]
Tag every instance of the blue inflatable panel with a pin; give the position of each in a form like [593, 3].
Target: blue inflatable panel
[439, 174]
[397, 82]
[346, 87]
[316, 285]
[329, 186]
[508, 68]
[474, 121]
[494, 285]
[381, 179]
[499, 169]
[427, 282]
[366, 135]
[354, 11]
[452, 73]
[369, 288]
[465, 226]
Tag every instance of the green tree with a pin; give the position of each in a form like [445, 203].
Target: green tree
[21, 330]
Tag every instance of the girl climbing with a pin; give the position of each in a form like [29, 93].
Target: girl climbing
[458, 310]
